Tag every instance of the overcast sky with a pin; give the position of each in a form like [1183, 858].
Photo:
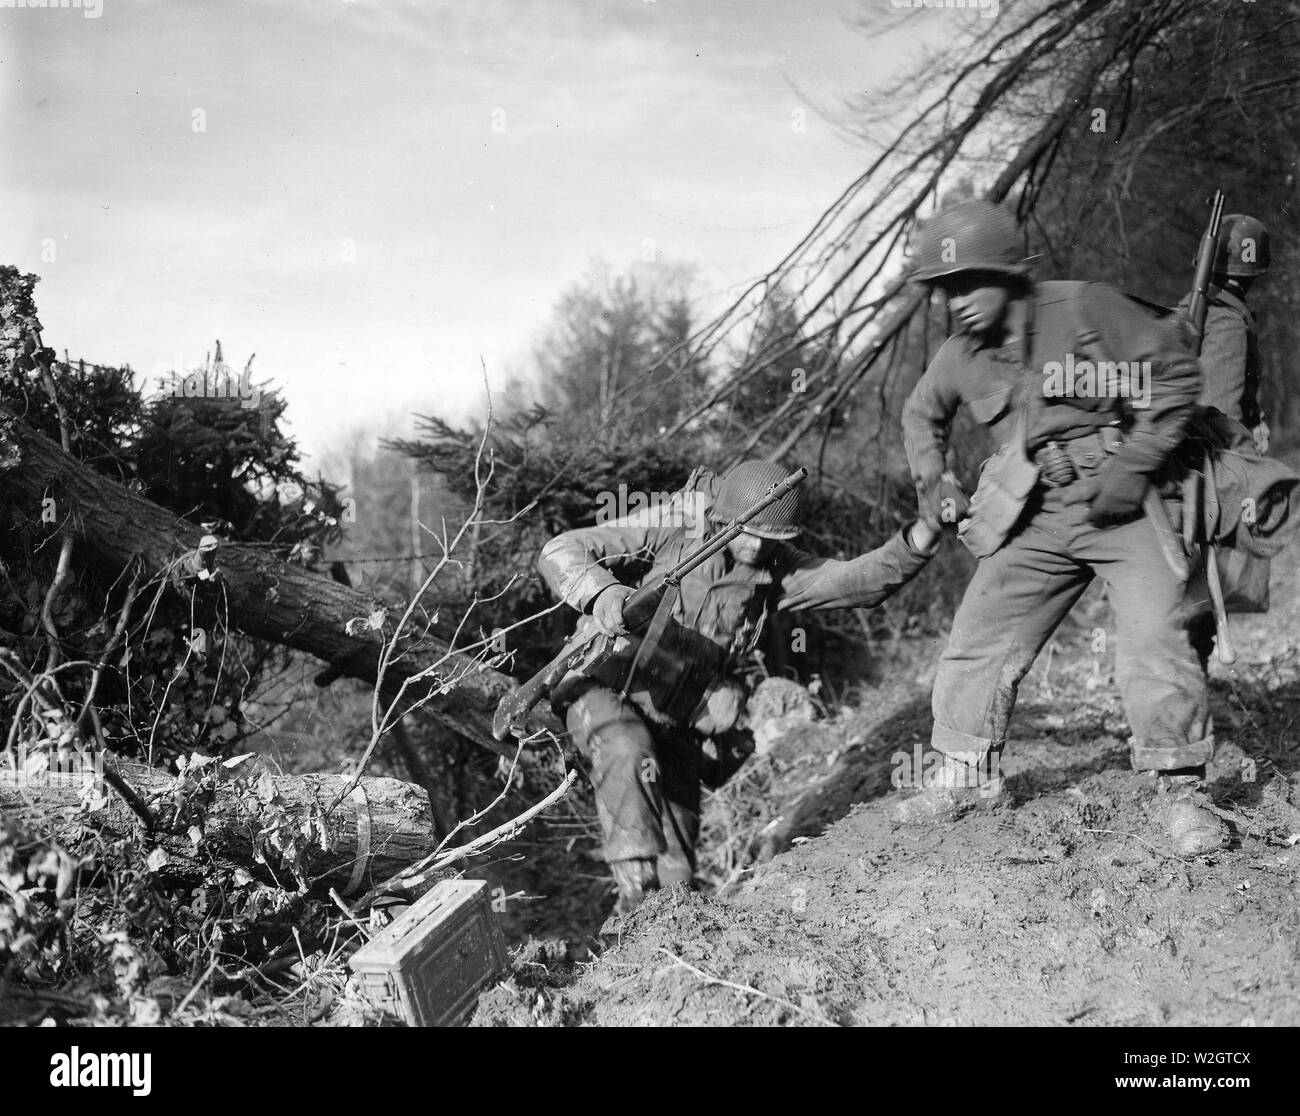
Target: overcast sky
[371, 194]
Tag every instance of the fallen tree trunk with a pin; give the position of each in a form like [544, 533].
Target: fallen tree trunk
[245, 817]
[264, 596]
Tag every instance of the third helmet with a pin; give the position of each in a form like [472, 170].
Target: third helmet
[1243, 247]
[970, 236]
[747, 483]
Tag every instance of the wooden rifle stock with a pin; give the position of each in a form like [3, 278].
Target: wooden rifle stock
[1198, 305]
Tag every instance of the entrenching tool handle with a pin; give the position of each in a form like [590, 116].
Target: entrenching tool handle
[1226, 652]
[1170, 544]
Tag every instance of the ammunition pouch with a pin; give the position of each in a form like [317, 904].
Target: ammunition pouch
[1006, 481]
[1245, 578]
[1062, 463]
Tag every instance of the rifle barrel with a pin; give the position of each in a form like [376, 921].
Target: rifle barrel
[734, 528]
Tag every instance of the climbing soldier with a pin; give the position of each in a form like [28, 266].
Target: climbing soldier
[648, 717]
[1087, 394]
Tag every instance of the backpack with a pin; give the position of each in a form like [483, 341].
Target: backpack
[1236, 502]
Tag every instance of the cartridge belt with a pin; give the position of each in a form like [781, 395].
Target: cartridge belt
[1063, 462]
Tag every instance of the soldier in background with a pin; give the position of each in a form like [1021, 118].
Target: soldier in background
[1230, 345]
[1066, 499]
[1230, 364]
[647, 717]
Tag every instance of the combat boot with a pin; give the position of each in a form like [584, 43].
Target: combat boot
[675, 868]
[1184, 808]
[633, 877]
[952, 790]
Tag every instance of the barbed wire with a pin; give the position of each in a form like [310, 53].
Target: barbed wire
[379, 558]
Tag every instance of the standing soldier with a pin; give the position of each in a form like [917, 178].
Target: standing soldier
[1230, 362]
[643, 716]
[1088, 395]
[1229, 345]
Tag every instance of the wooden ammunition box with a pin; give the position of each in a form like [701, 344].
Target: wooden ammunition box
[430, 964]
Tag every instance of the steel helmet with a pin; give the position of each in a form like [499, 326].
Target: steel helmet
[1243, 247]
[971, 236]
[747, 483]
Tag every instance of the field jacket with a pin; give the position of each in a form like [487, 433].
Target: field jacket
[1230, 357]
[1069, 322]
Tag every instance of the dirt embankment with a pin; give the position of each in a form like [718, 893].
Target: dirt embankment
[1059, 906]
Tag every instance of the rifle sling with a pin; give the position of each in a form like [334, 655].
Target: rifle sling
[653, 633]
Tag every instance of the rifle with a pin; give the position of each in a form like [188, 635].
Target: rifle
[1198, 305]
[638, 611]
[1197, 308]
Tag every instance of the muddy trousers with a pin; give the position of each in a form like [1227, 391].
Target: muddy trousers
[1020, 594]
[646, 782]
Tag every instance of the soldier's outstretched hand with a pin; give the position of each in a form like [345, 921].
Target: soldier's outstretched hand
[607, 610]
[923, 536]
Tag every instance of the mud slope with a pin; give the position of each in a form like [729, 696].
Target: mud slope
[1061, 906]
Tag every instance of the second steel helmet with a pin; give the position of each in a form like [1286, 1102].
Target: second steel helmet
[1243, 247]
[747, 483]
[971, 236]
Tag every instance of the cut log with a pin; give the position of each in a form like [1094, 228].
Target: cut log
[245, 816]
[265, 597]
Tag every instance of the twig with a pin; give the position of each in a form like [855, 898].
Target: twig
[745, 988]
[51, 599]
[1121, 833]
[193, 991]
[417, 873]
[382, 722]
[478, 815]
[123, 618]
[65, 547]
[338, 900]
[36, 691]
[511, 828]
[301, 956]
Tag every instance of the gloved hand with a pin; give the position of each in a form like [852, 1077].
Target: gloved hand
[1119, 497]
[941, 501]
[954, 504]
[607, 610]
[928, 498]
[1260, 434]
[719, 709]
[923, 537]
